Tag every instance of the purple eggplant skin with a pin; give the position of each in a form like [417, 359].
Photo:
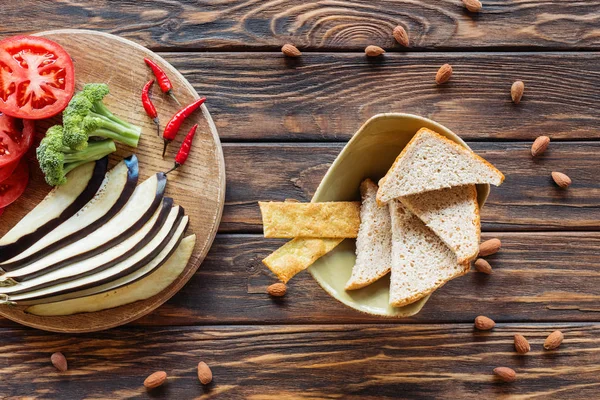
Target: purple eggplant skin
[157, 226]
[10, 250]
[125, 272]
[132, 179]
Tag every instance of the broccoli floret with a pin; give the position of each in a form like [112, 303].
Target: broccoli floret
[57, 160]
[87, 116]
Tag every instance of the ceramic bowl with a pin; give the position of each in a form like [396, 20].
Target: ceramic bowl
[369, 154]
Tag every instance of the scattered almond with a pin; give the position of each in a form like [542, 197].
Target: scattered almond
[277, 289]
[443, 74]
[561, 179]
[483, 266]
[554, 340]
[204, 373]
[516, 91]
[540, 145]
[521, 344]
[374, 51]
[401, 36]
[489, 247]
[484, 323]
[155, 380]
[289, 50]
[59, 361]
[505, 373]
[472, 5]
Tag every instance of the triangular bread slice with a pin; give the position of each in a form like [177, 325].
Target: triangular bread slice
[453, 214]
[421, 262]
[374, 240]
[431, 161]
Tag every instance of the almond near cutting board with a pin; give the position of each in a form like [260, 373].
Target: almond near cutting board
[199, 186]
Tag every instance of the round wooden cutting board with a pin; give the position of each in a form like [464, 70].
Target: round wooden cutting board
[198, 186]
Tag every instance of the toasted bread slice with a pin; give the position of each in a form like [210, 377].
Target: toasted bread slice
[453, 214]
[421, 262]
[374, 240]
[431, 161]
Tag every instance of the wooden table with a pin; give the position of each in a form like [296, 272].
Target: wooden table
[282, 122]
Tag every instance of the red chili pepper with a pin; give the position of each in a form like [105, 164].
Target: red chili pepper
[184, 150]
[148, 106]
[175, 123]
[162, 78]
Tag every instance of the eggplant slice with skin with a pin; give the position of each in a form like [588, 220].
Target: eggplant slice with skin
[142, 289]
[165, 216]
[115, 191]
[58, 206]
[154, 254]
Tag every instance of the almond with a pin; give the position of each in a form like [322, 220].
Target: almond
[443, 74]
[204, 373]
[277, 289]
[489, 247]
[472, 5]
[483, 266]
[289, 50]
[505, 373]
[401, 36]
[374, 51]
[521, 344]
[516, 91]
[155, 380]
[561, 179]
[59, 361]
[484, 323]
[554, 340]
[540, 145]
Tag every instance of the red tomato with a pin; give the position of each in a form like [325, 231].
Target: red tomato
[7, 170]
[37, 79]
[16, 137]
[13, 187]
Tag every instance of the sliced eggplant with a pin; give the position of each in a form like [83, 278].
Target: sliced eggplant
[168, 216]
[116, 189]
[58, 206]
[139, 209]
[142, 263]
[143, 289]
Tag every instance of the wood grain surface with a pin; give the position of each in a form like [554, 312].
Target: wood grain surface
[306, 362]
[339, 25]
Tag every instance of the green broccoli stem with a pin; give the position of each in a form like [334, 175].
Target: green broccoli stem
[94, 151]
[100, 109]
[116, 131]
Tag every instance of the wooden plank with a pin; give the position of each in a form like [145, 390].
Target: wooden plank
[305, 362]
[527, 200]
[344, 24]
[327, 97]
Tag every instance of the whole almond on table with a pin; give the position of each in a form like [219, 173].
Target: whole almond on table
[554, 340]
[521, 344]
[561, 179]
[443, 74]
[472, 5]
[277, 289]
[401, 36]
[59, 361]
[204, 373]
[516, 91]
[489, 247]
[289, 50]
[484, 323]
[505, 373]
[540, 145]
[155, 380]
[374, 51]
[483, 266]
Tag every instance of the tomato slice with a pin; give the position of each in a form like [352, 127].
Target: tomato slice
[13, 187]
[37, 79]
[7, 170]
[16, 137]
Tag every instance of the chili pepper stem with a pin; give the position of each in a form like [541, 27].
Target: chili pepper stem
[170, 93]
[177, 165]
[157, 123]
[165, 148]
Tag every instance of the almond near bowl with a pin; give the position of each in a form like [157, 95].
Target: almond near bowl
[369, 154]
